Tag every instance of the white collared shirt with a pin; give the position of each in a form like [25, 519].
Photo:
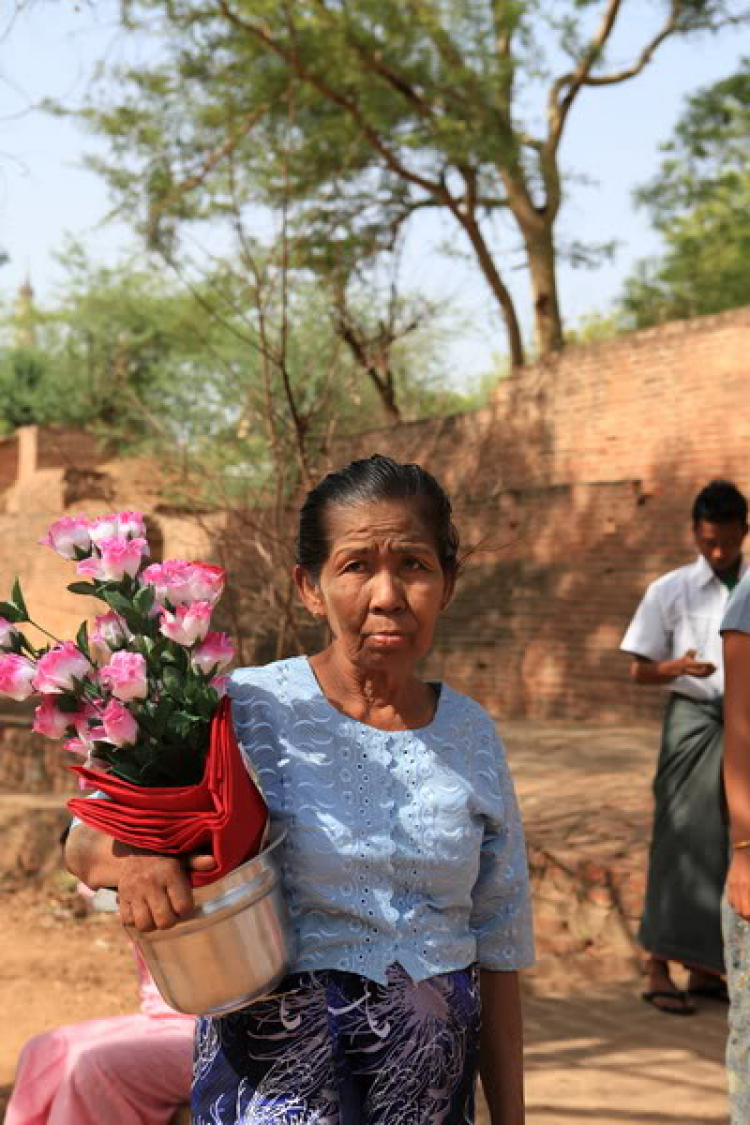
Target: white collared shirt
[680, 611]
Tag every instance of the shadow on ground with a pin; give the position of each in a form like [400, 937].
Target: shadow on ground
[606, 1057]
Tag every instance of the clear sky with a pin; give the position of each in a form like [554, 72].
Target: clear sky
[614, 134]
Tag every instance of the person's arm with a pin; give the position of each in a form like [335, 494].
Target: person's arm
[660, 672]
[501, 1047]
[737, 763]
[154, 891]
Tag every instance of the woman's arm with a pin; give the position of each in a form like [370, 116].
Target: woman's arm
[501, 1047]
[737, 763]
[154, 891]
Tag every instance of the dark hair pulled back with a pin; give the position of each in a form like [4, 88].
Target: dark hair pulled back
[371, 480]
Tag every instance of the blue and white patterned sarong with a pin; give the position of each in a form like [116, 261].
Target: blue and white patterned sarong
[334, 1048]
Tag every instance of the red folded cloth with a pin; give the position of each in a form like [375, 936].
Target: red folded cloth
[225, 813]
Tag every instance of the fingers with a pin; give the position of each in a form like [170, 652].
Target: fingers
[201, 863]
[154, 892]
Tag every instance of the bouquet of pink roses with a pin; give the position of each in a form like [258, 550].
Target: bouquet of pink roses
[136, 696]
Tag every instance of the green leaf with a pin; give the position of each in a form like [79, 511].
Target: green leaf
[16, 597]
[11, 612]
[87, 588]
[144, 599]
[173, 680]
[82, 640]
[66, 702]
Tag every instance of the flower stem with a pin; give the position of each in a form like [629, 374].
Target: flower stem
[46, 632]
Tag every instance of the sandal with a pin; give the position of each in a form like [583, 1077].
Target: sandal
[687, 1008]
[711, 992]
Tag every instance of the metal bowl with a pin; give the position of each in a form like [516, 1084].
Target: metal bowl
[233, 949]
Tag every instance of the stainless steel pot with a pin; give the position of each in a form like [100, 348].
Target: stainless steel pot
[233, 949]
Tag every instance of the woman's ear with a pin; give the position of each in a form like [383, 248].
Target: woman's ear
[309, 592]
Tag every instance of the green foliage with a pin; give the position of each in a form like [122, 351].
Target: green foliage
[353, 118]
[700, 204]
[596, 326]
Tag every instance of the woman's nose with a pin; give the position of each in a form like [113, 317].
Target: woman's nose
[387, 592]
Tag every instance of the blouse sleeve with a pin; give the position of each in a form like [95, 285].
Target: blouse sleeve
[501, 913]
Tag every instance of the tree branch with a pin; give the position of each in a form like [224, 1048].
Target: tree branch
[349, 105]
[558, 110]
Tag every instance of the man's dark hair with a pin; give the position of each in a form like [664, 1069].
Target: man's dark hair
[720, 502]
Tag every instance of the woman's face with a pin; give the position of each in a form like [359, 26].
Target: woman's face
[382, 587]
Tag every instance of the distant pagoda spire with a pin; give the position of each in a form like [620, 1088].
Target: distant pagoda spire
[24, 328]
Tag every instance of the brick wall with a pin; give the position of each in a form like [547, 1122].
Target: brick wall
[575, 488]
[572, 489]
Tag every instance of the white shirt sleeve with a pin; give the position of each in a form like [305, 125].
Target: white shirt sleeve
[648, 634]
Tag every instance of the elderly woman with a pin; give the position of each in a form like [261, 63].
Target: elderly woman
[404, 862]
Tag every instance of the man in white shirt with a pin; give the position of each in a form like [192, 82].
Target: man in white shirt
[675, 643]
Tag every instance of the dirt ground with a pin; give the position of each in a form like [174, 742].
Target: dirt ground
[596, 1054]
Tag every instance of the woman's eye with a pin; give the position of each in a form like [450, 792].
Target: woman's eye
[413, 564]
[356, 566]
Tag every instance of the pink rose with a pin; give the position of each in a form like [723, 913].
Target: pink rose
[120, 728]
[50, 721]
[125, 676]
[67, 536]
[180, 582]
[16, 676]
[59, 668]
[119, 556]
[131, 524]
[110, 633]
[104, 527]
[213, 653]
[188, 623]
[170, 580]
[76, 746]
[7, 631]
[206, 582]
[122, 525]
[219, 684]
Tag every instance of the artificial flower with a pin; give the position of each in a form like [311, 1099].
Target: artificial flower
[214, 652]
[110, 633]
[120, 727]
[60, 669]
[50, 721]
[7, 632]
[119, 557]
[16, 676]
[68, 536]
[126, 676]
[188, 623]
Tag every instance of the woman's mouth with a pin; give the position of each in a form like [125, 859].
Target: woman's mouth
[388, 640]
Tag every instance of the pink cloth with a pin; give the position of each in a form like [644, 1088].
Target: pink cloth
[132, 1070]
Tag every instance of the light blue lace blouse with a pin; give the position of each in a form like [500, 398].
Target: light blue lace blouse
[402, 846]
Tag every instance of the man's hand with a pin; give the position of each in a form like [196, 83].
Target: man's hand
[660, 672]
[687, 665]
[738, 883]
[154, 890]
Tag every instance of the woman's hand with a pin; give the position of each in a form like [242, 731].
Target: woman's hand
[154, 890]
[738, 883]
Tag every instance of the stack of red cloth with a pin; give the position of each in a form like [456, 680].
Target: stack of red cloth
[225, 813]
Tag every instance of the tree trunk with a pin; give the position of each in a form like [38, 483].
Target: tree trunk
[497, 285]
[540, 251]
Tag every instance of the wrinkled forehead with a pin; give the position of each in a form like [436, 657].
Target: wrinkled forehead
[372, 523]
